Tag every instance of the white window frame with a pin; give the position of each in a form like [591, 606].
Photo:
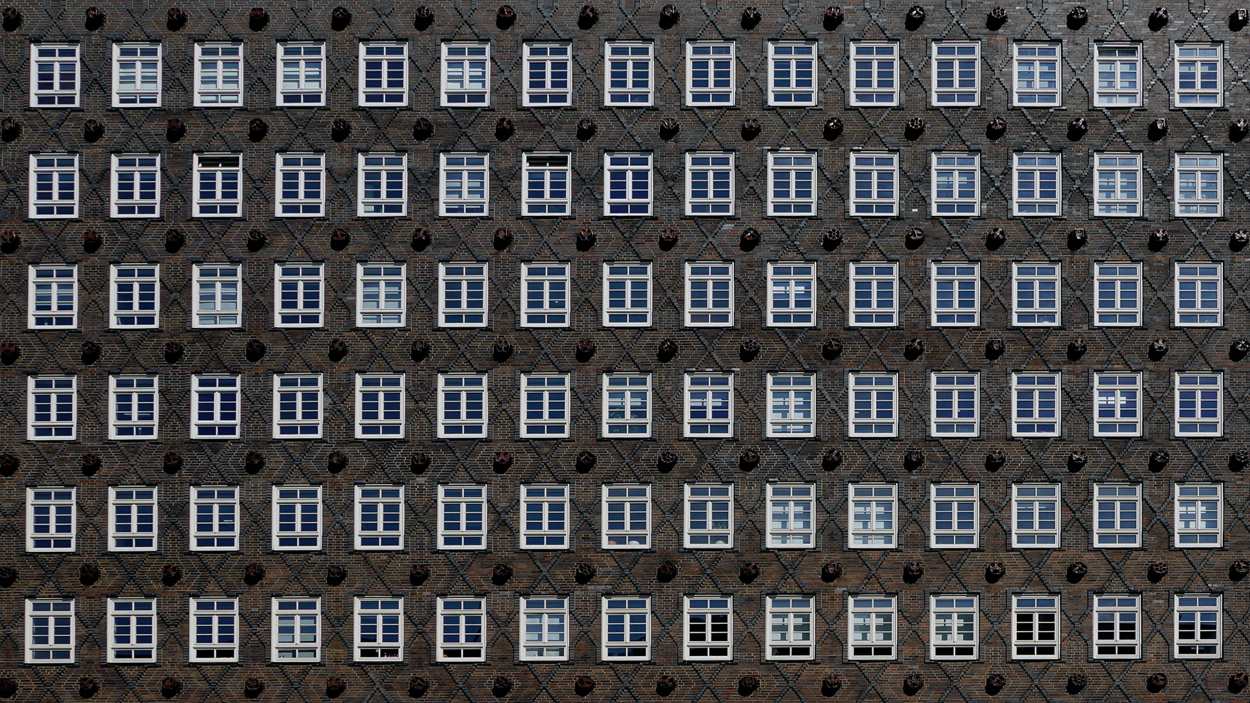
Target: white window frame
[54, 501]
[1032, 420]
[55, 165]
[1036, 273]
[954, 95]
[878, 389]
[631, 388]
[1035, 494]
[137, 424]
[713, 56]
[1187, 382]
[293, 418]
[1035, 607]
[1036, 165]
[134, 92]
[708, 278]
[1111, 54]
[1121, 279]
[1196, 57]
[1190, 509]
[788, 414]
[50, 609]
[954, 423]
[1124, 195]
[379, 505]
[948, 285]
[463, 650]
[622, 612]
[623, 168]
[882, 80]
[302, 499]
[375, 182]
[715, 172]
[700, 404]
[880, 171]
[619, 502]
[461, 424]
[789, 628]
[1123, 503]
[217, 618]
[949, 504]
[1196, 203]
[634, 55]
[1190, 295]
[304, 277]
[134, 282]
[1121, 608]
[53, 429]
[125, 616]
[955, 203]
[381, 400]
[798, 172]
[877, 277]
[549, 641]
[1112, 383]
[789, 504]
[881, 503]
[879, 613]
[789, 282]
[464, 93]
[219, 94]
[546, 406]
[549, 506]
[137, 168]
[308, 171]
[468, 168]
[218, 205]
[1035, 93]
[210, 280]
[534, 62]
[628, 279]
[708, 614]
[309, 60]
[462, 538]
[222, 504]
[542, 171]
[1194, 643]
[296, 611]
[947, 615]
[463, 274]
[380, 57]
[383, 619]
[381, 294]
[552, 283]
[47, 282]
[787, 54]
[706, 533]
[56, 96]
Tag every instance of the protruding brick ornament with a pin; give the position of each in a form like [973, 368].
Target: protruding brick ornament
[504, 129]
[10, 19]
[1158, 19]
[175, 19]
[173, 352]
[749, 239]
[88, 687]
[256, 240]
[914, 349]
[10, 241]
[1157, 129]
[748, 572]
[914, 17]
[584, 572]
[831, 349]
[748, 684]
[1157, 349]
[502, 462]
[1159, 459]
[585, 462]
[1077, 128]
[1077, 349]
[1239, 569]
[668, 238]
[587, 17]
[666, 350]
[171, 574]
[913, 459]
[253, 574]
[1156, 571]
[1077, 571]
[94, 18]
[257, 19]
[8, 576]
[1238, 681]
[913, 571]
[996, 238]
[912, 683]
[340, 129]
[419, 463]
[422, 129]
[420, 350]
[831, 460]
[501, 350]
[995, 683]
[1077, 238]
[254, 350]
[996, 127]
[418, 574]
[833, 128]
[585, 239]
[1158, 239]
[1077, 460]
[338, 350]
[335, 574]
[751, 18]
[335, 687]
[91, 464]
[586, 129]
[995, 348]
[750, 129]
[423, 18]
[9, 352]
[583, 685]
[92, 130]
[501, 686]
[8, 687]
[830, 572]
[1238, 19]
[995, 571]
[1157, 682]
[669, 128]
[9, 464]
[996, 18]
[253, 687]
[666, 571]
[995, 460]
[339, 239]
[748, 350]
[254, 462]
[666, 461]
[174, 240]
[913, 129]
[1077, 17]
[502, 239]
[665, 685]
[1238, 129]
[669, 16]
[418, 686]
[831, 684]
[88, 573]
[175, 129]
[340, 18]
[1238, 460]
[170, 687]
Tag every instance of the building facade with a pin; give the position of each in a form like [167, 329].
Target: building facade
[623, 352]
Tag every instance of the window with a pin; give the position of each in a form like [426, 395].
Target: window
[54, 75]
[1037, 184]
[872, 631]
[709, 74]
[627, 184]
[1117, 404]
[874, 294]
[297, 406]
[544, 629]
[874, 74]
[1117, 627]
[136, 185]
[1117, 185]
[1035, 515]
[461, 630]
[218, 181]
[955, 404]
[462, 294]
[1036, 404]
[298, 294]
[792, 184]
[709, 516]
[956, 73]
[1197, 79]
[627, 74]
[462, 409]
[1037, 75]
[708, 628]
[464, 181]
[789, 635]
[545, 406]
[1117, 71]
[379, 629]
[791, 74]
[626, 628]
[383, 74]
[954, 516]
[709, 183]
[1199, 294]
[791, 294]
[1198, 627]
[382, 185]
[626, 516]
[214, 630]
[547, 178]
[295, 633]
[956, 292]
[466, 74]
[709, 294]
[296, 518]
[1199, 185]
[1035, 295]
[218, 75]
[131, 631]
[379, 405]
[1117, 294]
[49, 631]
[791, 397]
[214, 518]
[136, 75]
[956, 189]
[134, 408]
[627, 405]
[136, 299]
[1034, 627]
[873, 405]
[53, 302]
[52, 408]
[1199, 515]
[709, 405]
[301, 74]
[545, 517]
[380, 295]
[545, 295]
[953, 628]
[1199, 410]
[462, 517]
[548, 68]
[871, 516]
[1117, 516]
[51, 519]
[627, 294]
[300, 185]
[53, 186]
[379, 517]
[217, 300]
[791, 507]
